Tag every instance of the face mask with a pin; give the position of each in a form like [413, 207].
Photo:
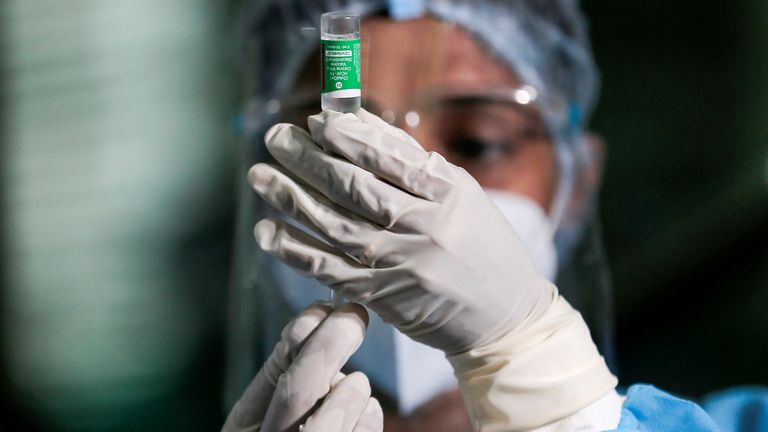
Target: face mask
[409, 372]
[532, 226]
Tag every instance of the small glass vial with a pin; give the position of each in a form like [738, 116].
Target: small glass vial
[340, 57]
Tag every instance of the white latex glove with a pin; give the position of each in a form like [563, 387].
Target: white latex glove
[411, 236]
[303, 369]
[416, 239]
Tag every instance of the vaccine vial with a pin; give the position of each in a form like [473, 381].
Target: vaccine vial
[340, 57]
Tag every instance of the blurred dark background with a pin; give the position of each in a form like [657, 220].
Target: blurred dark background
[684, 111]
[117, 212]
[117, 158]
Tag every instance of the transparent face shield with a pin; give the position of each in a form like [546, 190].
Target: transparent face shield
[489, 125]
[496, 134]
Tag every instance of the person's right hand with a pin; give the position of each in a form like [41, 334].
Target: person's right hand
[304, 371]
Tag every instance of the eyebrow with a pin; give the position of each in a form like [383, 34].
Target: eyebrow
[528, 111]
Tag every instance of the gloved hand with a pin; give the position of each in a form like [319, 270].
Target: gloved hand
[411, 236]
[303, 369]
[416, 239]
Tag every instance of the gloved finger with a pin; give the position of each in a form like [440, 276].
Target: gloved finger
[311, 374]
[378, 122]
[372, 418]
[313, 258]
[248, 413]
[348, 232]
[347, 185]
[343, 406]
[389, 291]
[383, 153]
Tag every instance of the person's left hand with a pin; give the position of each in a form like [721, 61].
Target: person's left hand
[304, 370]
[407, 234]
[417, 240]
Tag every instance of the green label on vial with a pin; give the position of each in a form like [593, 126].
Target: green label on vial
[341, 67]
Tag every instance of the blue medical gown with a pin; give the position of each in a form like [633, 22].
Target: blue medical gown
[650, 409]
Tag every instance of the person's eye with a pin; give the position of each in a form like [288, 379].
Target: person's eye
[475, 149]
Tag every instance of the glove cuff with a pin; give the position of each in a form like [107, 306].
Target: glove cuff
[543, 370]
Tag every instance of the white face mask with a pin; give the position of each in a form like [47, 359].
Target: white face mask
[532, 225]
[409, 372]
